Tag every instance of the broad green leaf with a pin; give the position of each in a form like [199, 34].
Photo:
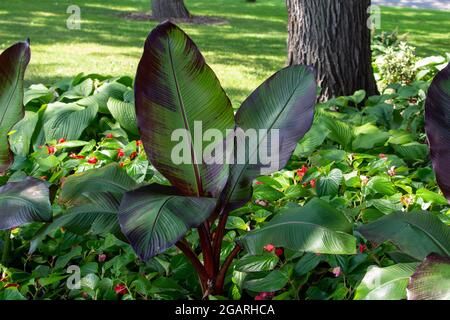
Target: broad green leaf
[155, 217]
[176, 92]
[11, 294]
[307, 263]
[63, 260]
[381, 185]
[368, 136]
[23, 202]
[430, 196]
[110, 178]
[284, 106]
[385, 283]
[234, 222]
[317, 227]
[21, 134]
[329, 185]
[13, 63]
[383, 113]
[358, 96]
[67, 121]
[38, 92]
[431, 280]
[312, 140]
[340, 132]
[417, 233]
[103, 93]
[124, 113]
[274, 281]
[265, 192]
[264, 262]
[413, 151]
[386, 206]
[79, 91]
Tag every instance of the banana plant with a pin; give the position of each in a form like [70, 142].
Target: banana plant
[175, 93]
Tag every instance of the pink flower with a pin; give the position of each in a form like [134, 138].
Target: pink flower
[102, 257]
[406, 200]
[364, 180]
[301, 172]
[279, 251]
[382, 156]
[120, 153]
[262, 203]
[121, 289]
[362, 247]
[313, 183]
[62, 140]
[76, 156]
[269, 247]
[92, 160]
[109, 136]
[258, 183]
[264, 296]
[51, 150]
[392, 172]
[337, 271]
[133, 155]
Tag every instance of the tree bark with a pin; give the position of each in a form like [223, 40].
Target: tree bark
[164, 9]
[333, 36]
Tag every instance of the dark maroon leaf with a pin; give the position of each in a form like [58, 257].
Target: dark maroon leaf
[437, 128]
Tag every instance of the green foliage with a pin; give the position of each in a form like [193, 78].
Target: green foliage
[350, 215]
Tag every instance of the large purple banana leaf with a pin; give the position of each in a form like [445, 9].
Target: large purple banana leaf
[155, 217]
[284, 102]
[175, 89]
[437, 128]
[24, 201]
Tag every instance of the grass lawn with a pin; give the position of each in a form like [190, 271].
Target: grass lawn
[243, 52]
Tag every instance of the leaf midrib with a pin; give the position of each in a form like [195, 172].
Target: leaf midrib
[158, 215]
[185, 122]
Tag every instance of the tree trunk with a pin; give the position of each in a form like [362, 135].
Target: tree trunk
[164, 9]
[333, 35]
